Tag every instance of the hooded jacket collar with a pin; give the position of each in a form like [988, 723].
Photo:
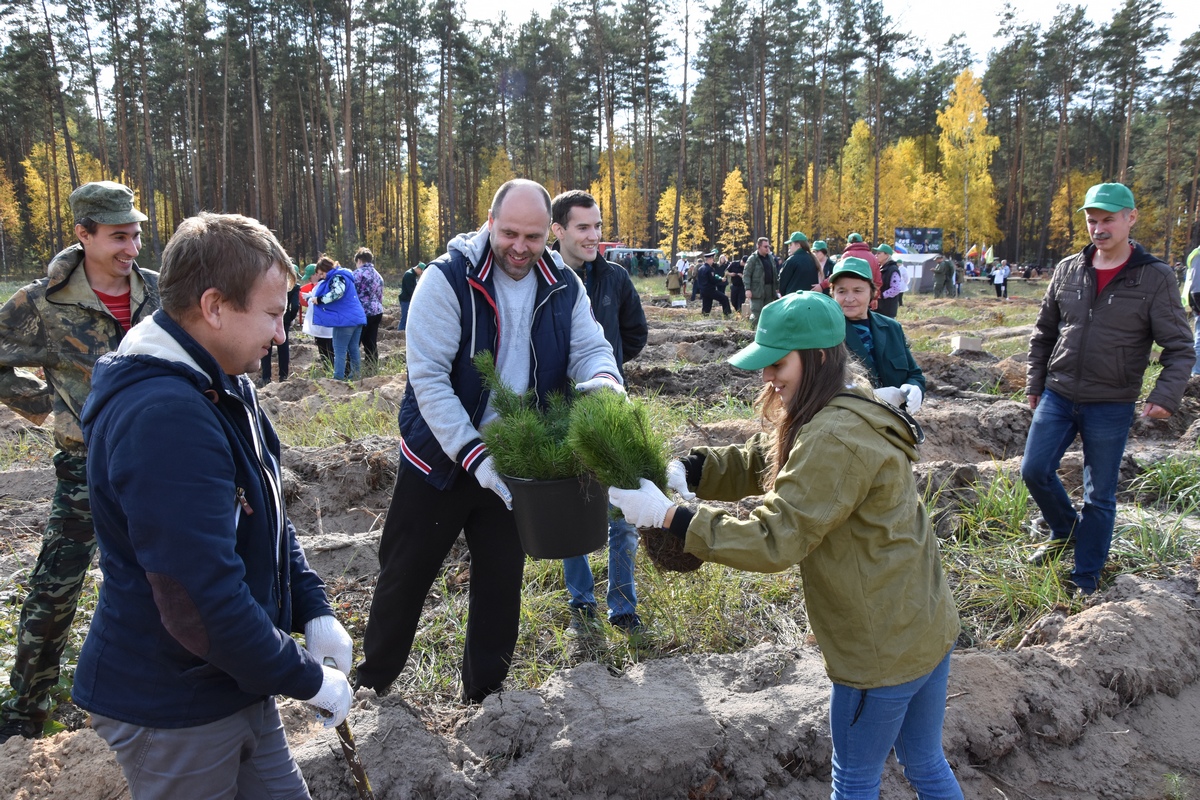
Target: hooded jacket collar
[476, 248]
[895, 425]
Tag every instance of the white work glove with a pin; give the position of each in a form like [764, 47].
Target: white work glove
[890, 394]
[489, 478]
[333, 700]
[677, 480]
[644, 507]
[325, 637]
[600, 383]
[914, 397]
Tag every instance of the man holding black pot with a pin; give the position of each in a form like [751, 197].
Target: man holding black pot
[513, 298]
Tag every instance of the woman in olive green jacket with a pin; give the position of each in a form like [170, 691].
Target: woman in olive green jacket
[839, 499]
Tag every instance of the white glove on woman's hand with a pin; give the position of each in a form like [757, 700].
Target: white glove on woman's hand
[644, 507]
[890, 394]
[333, 699]
[677, 479]
[489, 478]
[914, 397]
[325, 637]
[600, 383]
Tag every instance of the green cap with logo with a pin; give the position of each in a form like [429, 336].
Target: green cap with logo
[1109, 197]
[857, 267]
[106, 203]
[797, 237]
[853, 238]
[820, 244]
[883, 248]
[797, 321]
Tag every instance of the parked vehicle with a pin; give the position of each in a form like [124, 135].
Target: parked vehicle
[642, 261]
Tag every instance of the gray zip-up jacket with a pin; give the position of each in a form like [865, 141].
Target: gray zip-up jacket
[1091, 348]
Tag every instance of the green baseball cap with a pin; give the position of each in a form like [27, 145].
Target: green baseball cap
[420, 265]
[309, 270]
[106, 203]
[883, 248]
[854, 237]
[797, 238]
[1109, 197]
[858, 267]
[797, 321]
[819, 244]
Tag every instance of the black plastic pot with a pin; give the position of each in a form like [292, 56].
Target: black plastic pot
[560, 519]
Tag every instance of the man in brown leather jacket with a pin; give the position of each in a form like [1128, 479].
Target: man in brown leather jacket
[1102, 311]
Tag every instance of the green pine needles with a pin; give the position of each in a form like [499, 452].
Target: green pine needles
[612, 436]
[601, 432]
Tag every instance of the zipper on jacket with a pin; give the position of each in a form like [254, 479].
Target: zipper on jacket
[271, 476]
[532, 348]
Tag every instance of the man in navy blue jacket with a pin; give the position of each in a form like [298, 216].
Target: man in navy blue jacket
[577, 227]
[497, 290]
[204, 580]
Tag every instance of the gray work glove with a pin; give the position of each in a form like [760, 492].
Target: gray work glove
[332, 701]
[489, 478]
[644, 507]
[600, 383]
[891, 394]
[677, 480]
[325, 638]
[913, 397]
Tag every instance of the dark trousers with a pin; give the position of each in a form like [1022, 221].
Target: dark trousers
[370, 337]
[285, 352]
[325, 350]
[706, 302]
[421, 526]
[737, 296]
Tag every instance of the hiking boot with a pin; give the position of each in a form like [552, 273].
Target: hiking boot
[24, 728]
[1049, 550]
[583, 622]
[1075, 590]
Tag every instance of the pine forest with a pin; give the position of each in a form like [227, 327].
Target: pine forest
[391, 123]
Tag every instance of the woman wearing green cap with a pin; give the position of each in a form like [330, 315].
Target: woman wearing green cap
[839, 499]
[876, 340]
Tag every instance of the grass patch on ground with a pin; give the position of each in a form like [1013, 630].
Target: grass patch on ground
[33, 449]
[336, 421]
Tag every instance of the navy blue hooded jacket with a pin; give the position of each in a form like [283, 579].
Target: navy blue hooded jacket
[204, 580]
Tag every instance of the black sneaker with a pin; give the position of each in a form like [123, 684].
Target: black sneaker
[24, 728]
[632, 625]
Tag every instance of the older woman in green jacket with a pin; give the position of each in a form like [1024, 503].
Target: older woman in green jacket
[876, 340]
[839, 499]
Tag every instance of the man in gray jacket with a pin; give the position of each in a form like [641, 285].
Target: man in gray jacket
[1102, 311]
[500, 278]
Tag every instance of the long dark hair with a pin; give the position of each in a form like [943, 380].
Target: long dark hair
[823, 373]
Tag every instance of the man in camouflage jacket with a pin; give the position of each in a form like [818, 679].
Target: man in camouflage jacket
[62, 324]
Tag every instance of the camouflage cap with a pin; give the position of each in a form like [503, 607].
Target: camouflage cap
[105, 202]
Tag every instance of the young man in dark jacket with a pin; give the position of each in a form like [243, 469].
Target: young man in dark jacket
[1102, 311]
[61, 324]
[204, 580]
[497, 280]
[577, 228]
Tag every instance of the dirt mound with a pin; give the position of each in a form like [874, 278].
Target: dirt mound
[972, 431]
[1080, 712]
[344, 488]
[709, 382]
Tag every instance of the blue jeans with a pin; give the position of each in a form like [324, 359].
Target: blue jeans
[1103, 429]
[345, 345]
[1196, 366]
[403, 315]
[577, 573]
[868, 723]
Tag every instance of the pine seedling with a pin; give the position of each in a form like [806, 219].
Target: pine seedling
[526, 441]
[613, 438]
